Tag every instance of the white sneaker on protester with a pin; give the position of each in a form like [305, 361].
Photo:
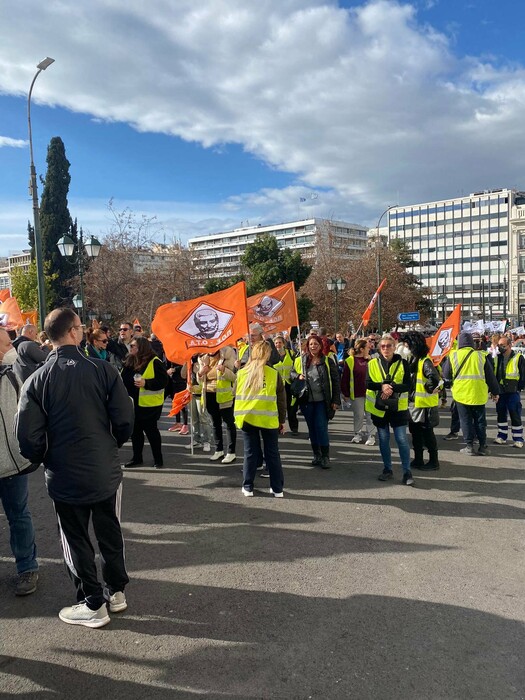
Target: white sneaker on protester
[277, 494]
[196, 445]
[206, 447]
[116, 602]
[230, 457]
[371, 440]
[356, 439]
[518, 444]
[82, 615]
[246, 492]
[216, 456]
[499, 441]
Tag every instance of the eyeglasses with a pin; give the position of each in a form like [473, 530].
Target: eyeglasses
[75, 327]
[105, 342]
[387, 345]
[124, 329]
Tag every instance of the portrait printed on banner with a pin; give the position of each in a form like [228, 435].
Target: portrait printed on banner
[206, 323]
[267, 307]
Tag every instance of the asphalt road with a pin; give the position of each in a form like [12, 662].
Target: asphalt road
[346, 588]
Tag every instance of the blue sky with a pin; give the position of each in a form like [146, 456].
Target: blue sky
[231, 112]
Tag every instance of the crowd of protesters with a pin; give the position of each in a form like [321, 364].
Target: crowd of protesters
[388, 380]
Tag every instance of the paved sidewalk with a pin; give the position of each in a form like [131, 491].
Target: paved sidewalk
[346, 588]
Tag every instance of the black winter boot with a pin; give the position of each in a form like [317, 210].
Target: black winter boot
[325, 459]
[316, 461]
[433, 462]
[417, 462]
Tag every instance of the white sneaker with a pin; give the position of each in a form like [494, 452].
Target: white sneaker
[277, 494]
[206, 447]
[116, 602]
[518, 444]
[356, 439]
[229, 458]
[499, 441]
[216, 456]
[246, 492]
[82, 615]
[371, 440]
[196, 445]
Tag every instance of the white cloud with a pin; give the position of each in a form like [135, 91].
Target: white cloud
[13, 143]
[367, 103]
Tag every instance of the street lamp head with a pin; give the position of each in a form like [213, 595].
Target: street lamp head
[93, 247]
[331, 285]
[66, 246]
[341, 284]
[77, 301]
[45, 63]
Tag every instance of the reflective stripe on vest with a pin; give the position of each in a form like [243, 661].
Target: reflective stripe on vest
[259, 409]
[224, 391]
[284, 367]
[511, 371]
[350, 361]
[376, 374]
[422, 399]
[148, 398]
[470, 387]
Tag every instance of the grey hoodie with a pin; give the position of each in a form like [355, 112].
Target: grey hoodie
[11, 461]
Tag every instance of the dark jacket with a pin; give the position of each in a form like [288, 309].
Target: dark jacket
[159, 381]
[430, 373]
[30, 357]
[330, 397]
[510, 386]
[74, 414]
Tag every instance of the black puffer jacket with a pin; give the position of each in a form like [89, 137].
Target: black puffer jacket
[74, 414]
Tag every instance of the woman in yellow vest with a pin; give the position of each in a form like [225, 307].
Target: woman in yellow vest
[387, 387]
[218, 380]
[322, 399]
[353, 388]
[260, 411]
[285, 367]
[145, 377]
[424, 400]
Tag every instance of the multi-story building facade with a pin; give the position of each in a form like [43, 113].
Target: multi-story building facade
[219, 254]
[466, 250]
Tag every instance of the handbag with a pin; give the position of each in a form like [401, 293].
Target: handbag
[299, 389]
[392, 403]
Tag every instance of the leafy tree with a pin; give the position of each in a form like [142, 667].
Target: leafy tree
[269, 266]
[55, 219]
[217, 284]
[24, 285]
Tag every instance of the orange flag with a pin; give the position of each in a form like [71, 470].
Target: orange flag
[201, 325]
[4, 294]
[276, 309]
[10, 315]
[441, 342]
[30, 317]
[366, 316]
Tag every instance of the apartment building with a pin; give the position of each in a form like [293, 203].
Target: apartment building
[469, 250]
[219, 254]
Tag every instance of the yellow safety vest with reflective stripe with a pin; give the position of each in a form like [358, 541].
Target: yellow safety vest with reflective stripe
[284, 366]
[422, 399]
[243, 351]
[512, 373]
[377, 374]
[258, 409]
[469, 387]
[148, 398]
[350, 361]
[223, 390]
[298, 367]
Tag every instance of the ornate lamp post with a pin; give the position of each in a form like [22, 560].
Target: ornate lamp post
[68, 248]
[336, 285]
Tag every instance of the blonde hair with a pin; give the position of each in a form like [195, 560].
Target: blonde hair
[259, 356]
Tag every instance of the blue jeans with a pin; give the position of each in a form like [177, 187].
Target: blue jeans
[400, 436]
[253, 455]
[473, 421]
[509, 404]
[316, 418]
[14, 494]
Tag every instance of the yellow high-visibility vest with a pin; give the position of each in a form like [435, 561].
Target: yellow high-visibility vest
[224, 390]
[350, 361]
[377, 374]
[149, 398]
[512, 373]
[258, 409]
[284, 366]
[469, 387]
[422, 399]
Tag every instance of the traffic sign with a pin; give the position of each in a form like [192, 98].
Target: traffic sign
[408, 316]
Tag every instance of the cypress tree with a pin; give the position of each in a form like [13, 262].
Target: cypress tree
[55, 220]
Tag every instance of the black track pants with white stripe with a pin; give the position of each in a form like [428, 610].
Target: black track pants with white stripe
[79, 555]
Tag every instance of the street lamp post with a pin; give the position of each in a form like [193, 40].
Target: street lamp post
[378, 269]
[336, 285]
[33, 191]
[443, 300]
[500, 259]
[68, 248]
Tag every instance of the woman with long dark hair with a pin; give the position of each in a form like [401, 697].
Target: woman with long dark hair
[145, 378]
[424, 400]
[387, 387]
[322, 398]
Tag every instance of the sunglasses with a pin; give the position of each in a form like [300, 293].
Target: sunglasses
[104, 342]
[124, 329]
[389, 345]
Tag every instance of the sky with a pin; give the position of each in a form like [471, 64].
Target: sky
[223, 113]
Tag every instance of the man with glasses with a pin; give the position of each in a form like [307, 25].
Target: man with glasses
[84, 397]
[120, 349]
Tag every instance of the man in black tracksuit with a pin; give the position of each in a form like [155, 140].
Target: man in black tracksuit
[74, 414]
